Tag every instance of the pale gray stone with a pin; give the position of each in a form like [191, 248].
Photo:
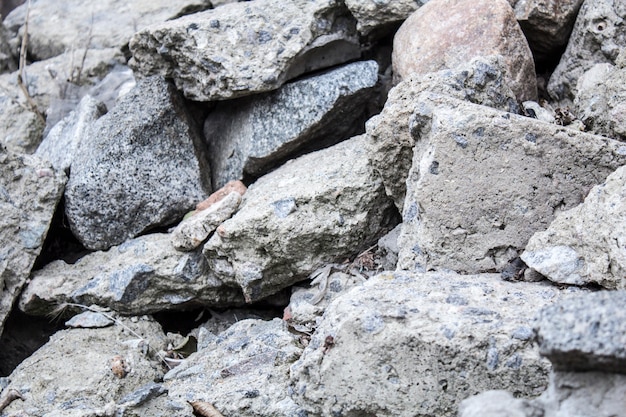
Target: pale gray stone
[249, 136]
[498, 403]
[388, 249]
[89, 320]
[484, 181]
[20, 129]
[374, 16]
[244, 48]
[536, 111]
[7, 62]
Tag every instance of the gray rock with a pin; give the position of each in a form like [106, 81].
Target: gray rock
[388, 249]
[7, 63]
[320, 208]
[498, 404]
[479, 81]
[484, 181]
[141, 166]
[374, 15]
[29, 193]
[406, 344]
[90, 24]
[143, 275]
[20, 129]
[113, 86]
[535, 110]
[218, 54]
[244, 372]
[249, 136]
[89, 320]
[598, 36]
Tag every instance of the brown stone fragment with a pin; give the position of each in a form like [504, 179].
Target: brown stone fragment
[230, 186]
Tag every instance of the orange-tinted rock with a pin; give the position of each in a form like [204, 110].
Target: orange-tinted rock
[446, 33]
[230, 186]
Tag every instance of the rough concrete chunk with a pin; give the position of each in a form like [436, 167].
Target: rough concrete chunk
[446, 33]
[586, 244]
[320, 208]
[483, 182]
[498, 403]
[29, 193]
[244, 48]
[417, 344]
[141, 166]
[142, 276]
[249, 136]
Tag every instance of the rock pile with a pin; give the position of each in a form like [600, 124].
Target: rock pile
[435, 219]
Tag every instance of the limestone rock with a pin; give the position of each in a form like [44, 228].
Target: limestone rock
[484, 181]
[598, 36]
[320, 208]
[142, 276]
[480, 81]
[88, 24]
[142, 165]
[249, 136]
[245, 48]
[446, 33]
[586, 244]
[29, 193]
[376, 15]
[244, 372]
[406, 344]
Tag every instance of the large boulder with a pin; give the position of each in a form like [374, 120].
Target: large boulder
[320, 208]
[249, 136]
[244, 48]
[484, 181]
[142, 165]
[29, 193]
[446, 33]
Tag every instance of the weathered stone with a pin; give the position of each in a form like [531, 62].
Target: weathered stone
[599, 34]
[217, 196]
[113, 86]
[407, 344]
[320, 208]
[29, 193]
[143, 275]
[87, 24]
[388, 249]
[141, 166]
[484, 181]
[376, 15]
[248, 137]
[89, 320]
[191, 232]
[20, 129]
[244, 372]
[480, 81]
[498, 404]
[447, 33]
[244, 48]
[536, 111]
[7, 63]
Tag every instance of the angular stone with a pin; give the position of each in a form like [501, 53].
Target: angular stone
[217, 196]
[406, 344]
[586, 244]
[89, 24]
[142, 276]
[20, 128]
[446, 33]
[142, 166]
[29, 193]
[484, 181]
[245, 48]
[480, 81]
[376, 15]
[320, 208]
[598, 36]
[248, 137]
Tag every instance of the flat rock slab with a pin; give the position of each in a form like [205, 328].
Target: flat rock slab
[29, 193]
[244, 48]
[446, 33]
[142, 165]
[321, 208]
[484, 181]
[248, 137]
[586, 244]
[406, 344]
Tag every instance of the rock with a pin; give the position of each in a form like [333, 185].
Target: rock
[141, 166]
[248, 137]
[114, 85]
[320, 208]
[484, 181]
[60, 145]
[480, 81]
[20, 129]
[585, 245]
[89, 320]
[190, 233]
[406, 344]
[88, 24]
[7, 63]
[498, 404]
[29, 193]
[388, 249]
[142, 276]
[374, 16]
[536, 111]
[230, 187]
[597, 38]
[447, 33]
[245, 48]
[244, 372]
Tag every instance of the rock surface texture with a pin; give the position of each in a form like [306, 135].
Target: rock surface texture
[375, 16]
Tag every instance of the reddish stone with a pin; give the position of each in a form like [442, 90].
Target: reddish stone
[230, 186]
